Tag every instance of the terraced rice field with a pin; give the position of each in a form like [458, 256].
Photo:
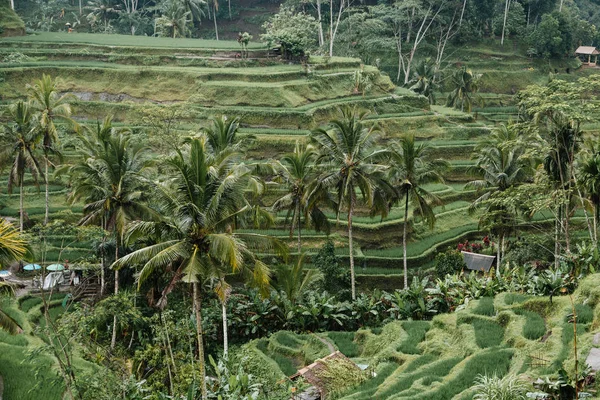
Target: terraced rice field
[278, 104]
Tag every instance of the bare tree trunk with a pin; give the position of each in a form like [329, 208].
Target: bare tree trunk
[229, 4]
[404, 241]
[350, 211]
[462, 13]
[21, 206]
[47, 192]
[197, 312]
[12, 4]
[80, 8]
[506, 8]
[321, 38]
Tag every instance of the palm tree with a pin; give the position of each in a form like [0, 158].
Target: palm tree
[49, 107]
[102, 9]
[201, 203]
[295, 280]
[174, 18]
[222, 136]
[109, 179]
[296, 171]
[410, 170]
[347, 152]
[590, 182]
[424, 80]
[501, 164]
[466, 85]
[20, 139]
[13, 247]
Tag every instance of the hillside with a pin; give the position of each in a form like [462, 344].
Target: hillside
[10, 23]
[191, 80]
[514, 334]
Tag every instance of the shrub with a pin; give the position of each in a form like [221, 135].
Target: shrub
[448, 263]
[336, 277]
[493, 387]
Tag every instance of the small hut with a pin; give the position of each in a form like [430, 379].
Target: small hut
[584, 52]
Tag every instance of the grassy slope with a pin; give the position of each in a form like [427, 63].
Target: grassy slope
[439, 360]
[9, 20]
[269, 99]
[131, 41]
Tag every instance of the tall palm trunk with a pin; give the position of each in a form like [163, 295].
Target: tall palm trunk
[224, 312]
[299, 228]
[47, 191]
[103, 259]
[21, 206]
[113, 341]
[350, 211]
[197, 312]
[498, 256]
[404, 242]
[12, 4]
[215, 21]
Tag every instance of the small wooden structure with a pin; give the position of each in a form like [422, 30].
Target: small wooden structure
[589, 51]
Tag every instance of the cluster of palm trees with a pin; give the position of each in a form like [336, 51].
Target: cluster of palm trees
[30, 140]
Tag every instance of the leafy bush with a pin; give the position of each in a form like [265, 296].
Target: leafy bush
[448, 263]
[336, 277]
[492, 387]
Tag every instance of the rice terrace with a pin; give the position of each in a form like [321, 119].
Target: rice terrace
[256, 199]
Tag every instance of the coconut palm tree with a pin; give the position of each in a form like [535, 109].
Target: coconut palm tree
[410, 170]
[590, 182]
[101, 9]
[13, 247]
[501, 164]
[174, 19]
[347, 153]
[297, 170]
[201, 202]
[19, 148]
[109, 179]
[49, 107]
[466, 85]
[222, 136]
[424, 81]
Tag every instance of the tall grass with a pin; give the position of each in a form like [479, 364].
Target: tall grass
[535, 326]
[487, 333]
[416, 331]
[485, 306]
[493, 361]
[345, 343]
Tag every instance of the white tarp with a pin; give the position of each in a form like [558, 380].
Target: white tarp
[478, 262]
[53, 279]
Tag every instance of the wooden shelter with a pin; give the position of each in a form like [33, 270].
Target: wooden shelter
[589, 51]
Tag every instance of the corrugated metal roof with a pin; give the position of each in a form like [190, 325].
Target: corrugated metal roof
[588, 50]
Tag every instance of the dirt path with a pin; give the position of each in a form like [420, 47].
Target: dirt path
[327, 343]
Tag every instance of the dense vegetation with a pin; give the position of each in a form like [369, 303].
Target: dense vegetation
[247, 206]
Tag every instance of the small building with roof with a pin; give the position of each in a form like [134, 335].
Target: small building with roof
[585, 53]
